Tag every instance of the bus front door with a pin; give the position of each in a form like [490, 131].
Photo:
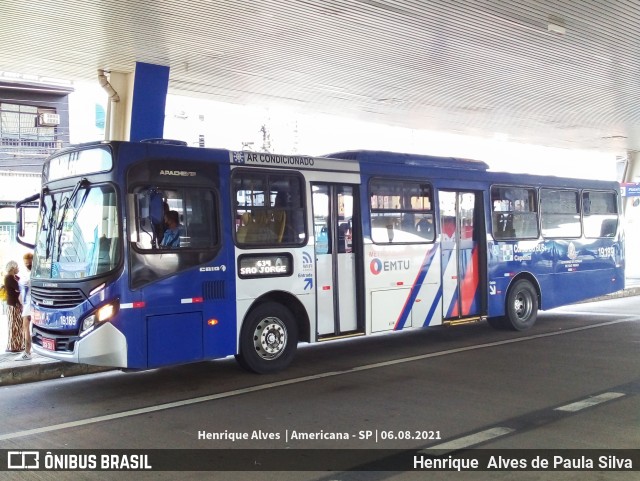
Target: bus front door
[335, 220]
[460, 231]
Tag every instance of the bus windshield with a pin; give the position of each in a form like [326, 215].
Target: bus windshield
[78, 234]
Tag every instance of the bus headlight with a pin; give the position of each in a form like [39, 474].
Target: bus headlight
[106, 312]
[102, 314]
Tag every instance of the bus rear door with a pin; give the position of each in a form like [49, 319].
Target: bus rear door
[460, 236]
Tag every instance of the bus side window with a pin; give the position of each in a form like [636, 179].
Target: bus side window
[322, 241]
[600, 214]
[609, 227]
[401, 211]
[279, 223]
[243, 228]
[149, 225]
[408, 223]
[344, 241]
[424, 227]
[514, 212]
[274, 202]
[157, 210]
[560, 213]
[196, 210]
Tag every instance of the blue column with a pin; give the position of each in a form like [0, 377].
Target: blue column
[150, 86]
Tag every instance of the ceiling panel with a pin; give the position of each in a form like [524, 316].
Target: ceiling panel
[467, 66]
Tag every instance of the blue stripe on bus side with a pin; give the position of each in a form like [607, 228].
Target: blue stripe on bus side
[434, 305]
[452, 308]
[415, 288]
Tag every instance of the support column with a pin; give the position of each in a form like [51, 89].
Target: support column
[118, 117]
[631, 206]
[149, 100]
[136, 103]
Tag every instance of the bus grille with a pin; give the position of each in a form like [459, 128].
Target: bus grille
[213, 290]
[63, 344]
[56, 297]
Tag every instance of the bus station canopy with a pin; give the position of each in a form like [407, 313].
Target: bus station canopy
[560, 73]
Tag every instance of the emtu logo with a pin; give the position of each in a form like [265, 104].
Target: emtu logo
[375, 266]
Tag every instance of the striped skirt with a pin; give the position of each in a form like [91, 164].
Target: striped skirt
[16, 334]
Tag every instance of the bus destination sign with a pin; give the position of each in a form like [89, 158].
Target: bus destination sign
[265, 265]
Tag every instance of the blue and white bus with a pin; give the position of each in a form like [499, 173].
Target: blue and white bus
[275, 250]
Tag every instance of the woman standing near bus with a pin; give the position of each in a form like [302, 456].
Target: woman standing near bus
[25, 299]
[14, 308]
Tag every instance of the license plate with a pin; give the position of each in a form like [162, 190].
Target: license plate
[49, 344]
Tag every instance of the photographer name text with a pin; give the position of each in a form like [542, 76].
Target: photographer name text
[292, 435]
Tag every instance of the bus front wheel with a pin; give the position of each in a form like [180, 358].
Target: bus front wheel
[522, 306]
[268, 339]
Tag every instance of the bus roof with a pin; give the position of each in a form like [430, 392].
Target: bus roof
[382, 157]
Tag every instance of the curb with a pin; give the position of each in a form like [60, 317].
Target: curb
[628, 292]
[42, 371]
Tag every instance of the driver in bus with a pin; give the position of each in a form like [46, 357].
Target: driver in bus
[172, 235]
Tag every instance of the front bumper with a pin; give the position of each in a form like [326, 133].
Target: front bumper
[104, 346]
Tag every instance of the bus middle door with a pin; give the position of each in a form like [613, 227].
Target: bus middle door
[335, 220]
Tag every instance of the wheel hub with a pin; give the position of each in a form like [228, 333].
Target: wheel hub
[519, 305]
[522, 306]
[270, 338]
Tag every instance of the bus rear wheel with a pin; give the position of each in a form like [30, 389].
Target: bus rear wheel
[522, 306]
[268, 339]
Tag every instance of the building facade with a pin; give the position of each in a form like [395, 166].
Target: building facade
[34, 123]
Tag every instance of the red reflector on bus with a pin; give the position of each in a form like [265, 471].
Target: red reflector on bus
[326, 288]
[399, 283]
[138, 305]
[191, 300]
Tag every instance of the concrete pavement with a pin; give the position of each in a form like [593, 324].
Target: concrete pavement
[40, 368]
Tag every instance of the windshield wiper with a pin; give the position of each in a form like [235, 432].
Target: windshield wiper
[50, 226]
[81, 183]
[68, 202]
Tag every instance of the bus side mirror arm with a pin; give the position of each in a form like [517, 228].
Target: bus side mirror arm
[20, 216]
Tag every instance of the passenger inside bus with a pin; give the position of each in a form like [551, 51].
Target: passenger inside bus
[344, 238]
[425, 227]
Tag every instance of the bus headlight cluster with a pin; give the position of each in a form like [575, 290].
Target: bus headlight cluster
[102, 314]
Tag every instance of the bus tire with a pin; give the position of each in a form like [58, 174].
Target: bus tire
[268, 339]
[522, 306]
